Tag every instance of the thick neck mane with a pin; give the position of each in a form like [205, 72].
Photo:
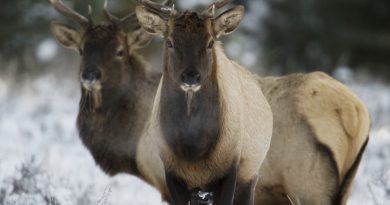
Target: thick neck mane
[112, 130]
[191, 136]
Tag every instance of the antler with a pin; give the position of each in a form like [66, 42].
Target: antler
[163, 9]
[108, 15]
[132, 18]
[221, 3]
[210, 11]
[168, 2]
[70, 13]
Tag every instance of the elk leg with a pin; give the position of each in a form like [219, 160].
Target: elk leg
[227, 187]
[166, 198]
[245, 193]
[180, 195]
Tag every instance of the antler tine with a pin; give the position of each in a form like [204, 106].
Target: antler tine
[70, 13]
[209, 12]
[159, 8]
[221, 3]
[90, 13]
[129, 19]
[108, 15]
[168, 2]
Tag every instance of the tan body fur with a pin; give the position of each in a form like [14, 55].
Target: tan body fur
[210, 120]
[243, 135]
[320, 132]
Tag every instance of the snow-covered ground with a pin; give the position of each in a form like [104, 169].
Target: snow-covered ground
[372, 184]
[42, 160]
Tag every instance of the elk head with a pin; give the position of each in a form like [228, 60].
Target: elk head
[189, 39]
[106, 49]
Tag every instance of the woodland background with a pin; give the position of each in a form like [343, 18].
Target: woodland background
[42, 160]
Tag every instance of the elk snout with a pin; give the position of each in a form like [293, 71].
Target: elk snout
[190, 81]
[190, 78]
[90, 78]
[91, 74]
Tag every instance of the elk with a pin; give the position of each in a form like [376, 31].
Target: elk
[320, 133]
[117, 91]
[210, 119]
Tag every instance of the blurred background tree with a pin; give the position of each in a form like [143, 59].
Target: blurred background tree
[306, 35]
[26, 25]
[277, 36]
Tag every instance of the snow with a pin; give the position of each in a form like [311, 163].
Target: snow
[373, 179]
[47, 50]
[42, 160]
[372, 184]
[38, 135]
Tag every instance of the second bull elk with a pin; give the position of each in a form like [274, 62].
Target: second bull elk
[118, 89]
[210, 118]
[320, 132]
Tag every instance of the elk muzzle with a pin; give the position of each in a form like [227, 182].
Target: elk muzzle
[90, 78]
[190, 81]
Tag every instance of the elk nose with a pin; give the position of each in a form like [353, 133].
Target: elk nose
[90, 75]
[190, 78]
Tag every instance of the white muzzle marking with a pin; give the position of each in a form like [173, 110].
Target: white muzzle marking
[193, 88]
[94, 85]
[190, 90]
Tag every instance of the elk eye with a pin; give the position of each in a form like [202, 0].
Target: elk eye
[169, 43]
[211, 44]
[120, 53]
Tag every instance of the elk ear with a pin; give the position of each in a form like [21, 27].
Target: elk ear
[228, 21]
[66, 36]
[151, 22]
[138, 39]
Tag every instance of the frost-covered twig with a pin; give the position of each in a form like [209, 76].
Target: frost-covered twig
[104, 198]
[373, 196]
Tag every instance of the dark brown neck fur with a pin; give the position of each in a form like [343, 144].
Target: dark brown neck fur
[111, 132]
[193, 137]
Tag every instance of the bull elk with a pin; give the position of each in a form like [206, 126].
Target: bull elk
[118, 89]
[210, 119]
[320, 132]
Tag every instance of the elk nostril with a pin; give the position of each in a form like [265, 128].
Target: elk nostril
[197, 77]
[190, 78]
[98, 75]
[183, 77]
[86, 76]
[89, 75]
